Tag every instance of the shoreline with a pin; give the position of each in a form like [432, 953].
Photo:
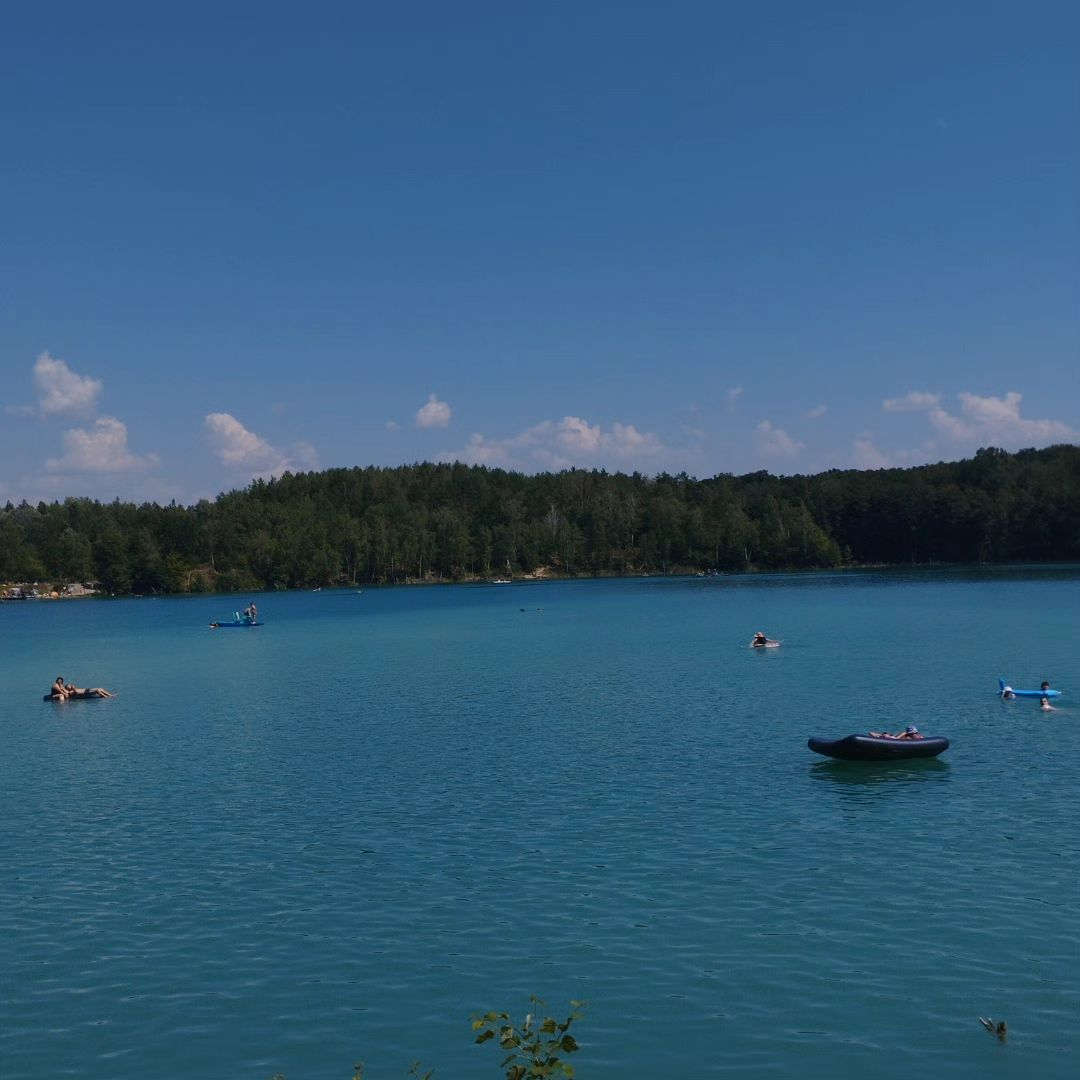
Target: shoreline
[539, 575]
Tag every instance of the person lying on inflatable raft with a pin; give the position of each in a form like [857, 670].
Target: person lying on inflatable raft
[61, 691]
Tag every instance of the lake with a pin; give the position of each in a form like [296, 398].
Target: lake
[334, 837]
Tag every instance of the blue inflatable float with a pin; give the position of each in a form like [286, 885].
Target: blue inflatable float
[237, 620]
[1003, 686]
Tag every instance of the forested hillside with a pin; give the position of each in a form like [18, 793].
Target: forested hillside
[454, 522]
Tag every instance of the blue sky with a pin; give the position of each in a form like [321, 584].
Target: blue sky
[712, 237]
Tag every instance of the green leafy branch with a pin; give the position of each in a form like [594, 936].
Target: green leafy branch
[537, 1046]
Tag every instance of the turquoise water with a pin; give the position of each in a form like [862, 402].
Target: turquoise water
[334, 837]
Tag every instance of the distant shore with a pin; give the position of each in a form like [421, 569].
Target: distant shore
[22, 592]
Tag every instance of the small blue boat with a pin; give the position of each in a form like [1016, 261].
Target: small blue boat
[1002, 687]
[237, 620]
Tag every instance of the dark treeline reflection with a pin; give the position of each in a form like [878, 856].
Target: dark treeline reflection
[455, 522]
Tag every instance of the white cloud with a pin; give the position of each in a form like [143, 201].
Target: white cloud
[816, 413]
[61, 392]
[915, 401]
[997, 421]
[775, 442]
[100, 449]
[626, 441]
[392, 425]
[980, 421]
[550, 446]
[435, 414]
[733, 396]
[234, 444]
[244, 451]
[576, 434]
[865, 455]
[952, 426]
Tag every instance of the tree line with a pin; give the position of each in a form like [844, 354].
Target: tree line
[429, 522]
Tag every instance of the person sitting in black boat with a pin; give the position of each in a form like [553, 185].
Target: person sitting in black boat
[760, 639]
[910, 732]
[58, 691]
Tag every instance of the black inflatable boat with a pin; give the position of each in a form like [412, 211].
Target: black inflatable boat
[871, 748]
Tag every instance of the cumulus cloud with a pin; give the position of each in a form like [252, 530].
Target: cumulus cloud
[100, 449]
[776, 442]
[95, 458]
[980, 421]
[570, 442]
[234, 444]
[816, 413]
[435, 414]
[733, 396]
[915, 401]
[62, 392]
[576, 434]
[952, 426]
[998, 421]
[244, 451]
[865, 455]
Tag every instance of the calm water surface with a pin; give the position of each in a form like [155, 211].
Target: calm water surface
[334, 837]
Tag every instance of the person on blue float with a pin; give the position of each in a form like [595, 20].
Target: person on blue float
[251, 612]
[1007, 693]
